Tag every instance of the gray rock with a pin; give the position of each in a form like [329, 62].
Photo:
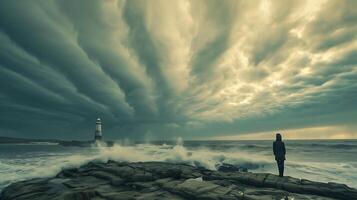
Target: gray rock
[225, 167]
[160, 180]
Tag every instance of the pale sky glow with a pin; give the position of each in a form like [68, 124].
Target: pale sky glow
[191, 69]
[316, 133]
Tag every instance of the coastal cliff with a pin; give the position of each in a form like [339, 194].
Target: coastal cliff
[160, 180]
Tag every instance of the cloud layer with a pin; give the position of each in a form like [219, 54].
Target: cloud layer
[175, 68]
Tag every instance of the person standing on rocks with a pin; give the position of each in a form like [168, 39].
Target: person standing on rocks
[279, 153]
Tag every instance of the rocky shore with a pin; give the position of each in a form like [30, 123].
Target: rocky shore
[159, 180]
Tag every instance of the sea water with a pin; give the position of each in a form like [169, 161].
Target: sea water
[318, 160]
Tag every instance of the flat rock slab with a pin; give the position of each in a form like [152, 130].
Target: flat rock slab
[160, 180]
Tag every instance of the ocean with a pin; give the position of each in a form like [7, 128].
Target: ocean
[317, 160]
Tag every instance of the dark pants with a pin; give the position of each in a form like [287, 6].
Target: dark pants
[281, 167]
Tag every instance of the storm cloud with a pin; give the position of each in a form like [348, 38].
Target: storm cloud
[163, 69]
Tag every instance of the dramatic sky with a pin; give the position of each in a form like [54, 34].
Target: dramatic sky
[202, 69]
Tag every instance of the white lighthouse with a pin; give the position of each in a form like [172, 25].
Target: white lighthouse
[98, 130]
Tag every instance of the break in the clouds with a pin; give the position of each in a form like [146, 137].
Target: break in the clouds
[163, 69]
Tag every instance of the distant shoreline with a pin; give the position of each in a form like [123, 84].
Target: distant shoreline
[28, 141]
[13, 140]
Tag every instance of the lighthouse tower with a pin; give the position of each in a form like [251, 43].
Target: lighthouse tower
[98, 130]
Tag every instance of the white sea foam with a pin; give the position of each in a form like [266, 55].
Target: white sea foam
[49, 164]
[179, 154]
[45, 164]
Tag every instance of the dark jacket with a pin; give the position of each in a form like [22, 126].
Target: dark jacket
[279, 150]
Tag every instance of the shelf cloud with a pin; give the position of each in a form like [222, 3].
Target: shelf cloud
[191, 69]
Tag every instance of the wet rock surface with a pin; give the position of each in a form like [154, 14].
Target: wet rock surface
[159, 180]
[225, 167]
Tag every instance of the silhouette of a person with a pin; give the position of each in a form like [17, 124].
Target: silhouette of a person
[279, 152]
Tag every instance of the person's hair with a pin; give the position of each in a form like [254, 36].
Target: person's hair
[278, 137]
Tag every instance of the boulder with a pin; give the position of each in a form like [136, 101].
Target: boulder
[225, 167]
